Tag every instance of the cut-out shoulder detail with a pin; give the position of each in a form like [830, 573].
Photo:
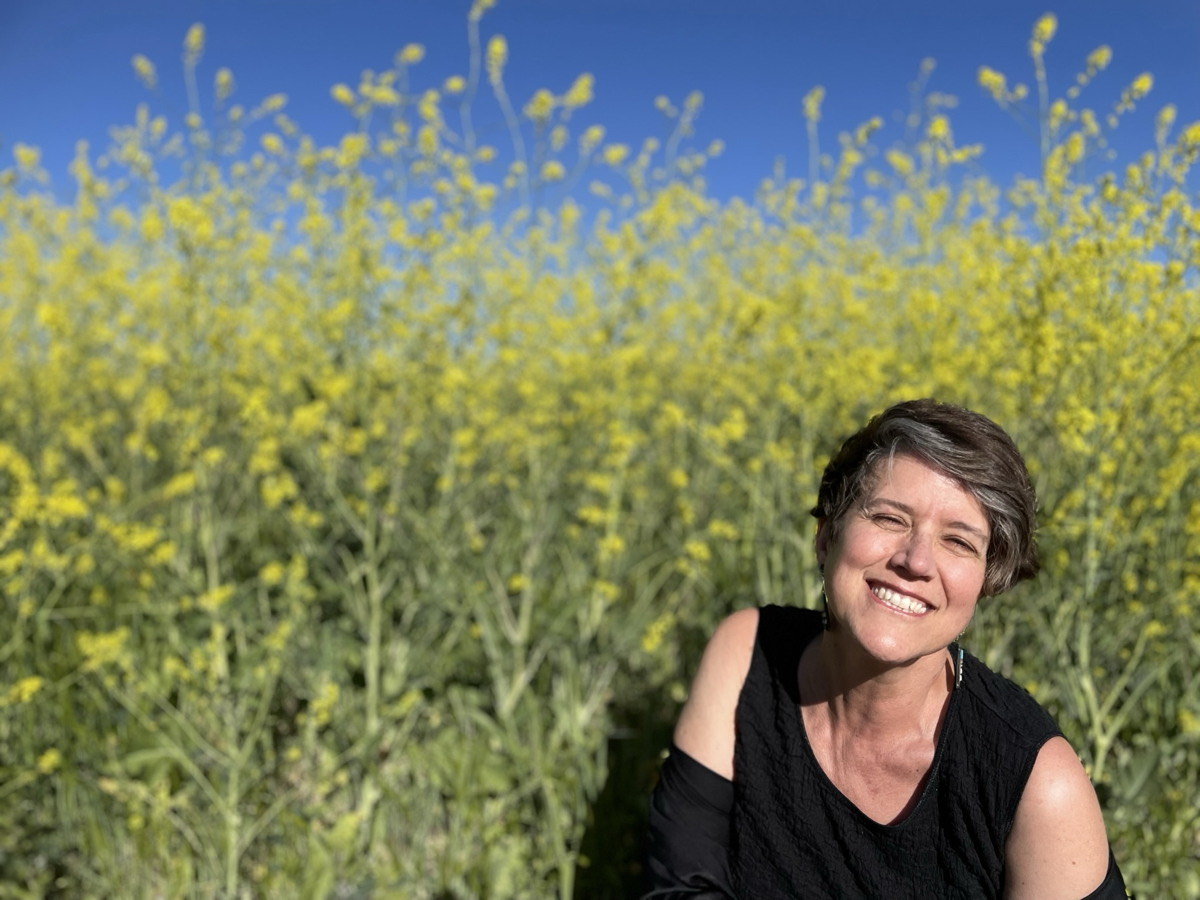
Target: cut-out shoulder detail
[1058, 847]
[705, 730]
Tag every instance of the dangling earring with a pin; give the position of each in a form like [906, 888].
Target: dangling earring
[824, 608]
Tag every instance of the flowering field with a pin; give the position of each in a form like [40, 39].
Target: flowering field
[363, 507]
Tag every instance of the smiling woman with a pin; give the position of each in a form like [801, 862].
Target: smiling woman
[859, 751]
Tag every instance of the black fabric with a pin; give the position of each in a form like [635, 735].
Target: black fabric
[1113, 886]
[689, 831]
[791, 833]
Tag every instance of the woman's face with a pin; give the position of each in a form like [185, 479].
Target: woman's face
[906, 571]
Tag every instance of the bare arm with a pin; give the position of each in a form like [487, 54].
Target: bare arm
[1058, 847]
[705, 727]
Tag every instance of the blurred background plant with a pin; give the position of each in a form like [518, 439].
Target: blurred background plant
[364, 507]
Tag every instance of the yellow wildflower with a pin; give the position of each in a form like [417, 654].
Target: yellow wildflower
[49, 761]
[653, 636]
[410, 54]
[23, 691]
[1044, 28]
[323, 704]
[223, 83]
[615, 154]
[540, 105]
[939, 129]
[812, 104]
[102, 648]
[497, 56]
[193, 44]
[993, 82]
[28, 158]
[580, 92]
[144, 69]
[1099, 58]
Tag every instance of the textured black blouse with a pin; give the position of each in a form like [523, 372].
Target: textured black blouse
[782, 829]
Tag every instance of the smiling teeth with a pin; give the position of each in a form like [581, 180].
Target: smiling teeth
[898, 600]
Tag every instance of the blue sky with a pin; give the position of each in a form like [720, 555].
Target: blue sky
[65, 69]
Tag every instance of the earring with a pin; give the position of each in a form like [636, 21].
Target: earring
[824, 608]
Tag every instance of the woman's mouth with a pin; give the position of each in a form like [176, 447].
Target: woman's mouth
[899, 601]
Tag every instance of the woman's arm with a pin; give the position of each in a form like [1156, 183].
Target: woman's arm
[690, 807]
[1058, 847]
[705, 727]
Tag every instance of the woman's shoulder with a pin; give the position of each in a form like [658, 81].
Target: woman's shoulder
[1058, 846]
[705, 730]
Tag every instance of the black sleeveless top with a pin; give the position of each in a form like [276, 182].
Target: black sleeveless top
[794, 834]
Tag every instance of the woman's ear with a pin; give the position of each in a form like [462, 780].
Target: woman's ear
[821, 542]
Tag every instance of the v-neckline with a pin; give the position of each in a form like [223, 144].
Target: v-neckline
[930, 778]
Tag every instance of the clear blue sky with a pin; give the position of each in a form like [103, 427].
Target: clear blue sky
[65, 67]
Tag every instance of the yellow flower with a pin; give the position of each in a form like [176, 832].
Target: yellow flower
[615, 154]
[553, 170]
[213, 600]
[323, 704]
[1099, 58]
[611, 545]
[497, 56]
[49, 761]
[1044, 28]
[223, 83]
[28, 158]
[193, 43]
[144, 69]
[580, 92]
[272, 573]
[591, 138]
[653, 636]
[1189, 722]
[939, 129]
[812, 104]
[993, 82]
[410, 54]
[102, 648]
[342, 94]
[23, 691]
[540, 105]
[455, 84]
[1141, 86]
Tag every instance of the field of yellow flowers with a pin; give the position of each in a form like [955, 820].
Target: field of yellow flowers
[363, 507]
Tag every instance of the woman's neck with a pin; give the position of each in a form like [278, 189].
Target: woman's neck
[863, 697]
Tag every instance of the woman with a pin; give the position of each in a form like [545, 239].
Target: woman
[858, 751]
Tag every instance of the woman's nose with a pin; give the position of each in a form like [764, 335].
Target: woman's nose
[915, 553]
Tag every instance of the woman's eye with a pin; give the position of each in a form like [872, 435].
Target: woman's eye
[963, 545]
